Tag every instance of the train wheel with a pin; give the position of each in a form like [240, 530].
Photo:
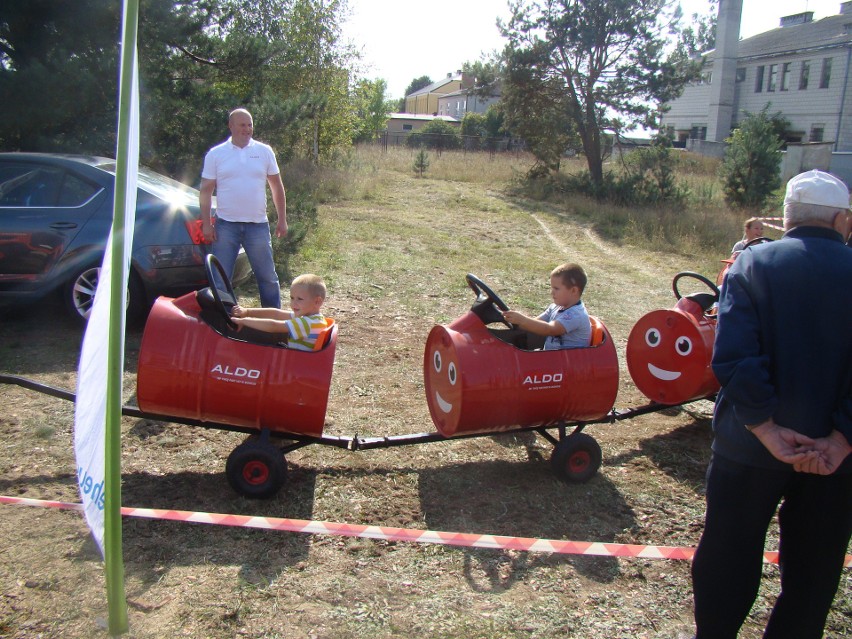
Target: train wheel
[256, 469]
[576, 458]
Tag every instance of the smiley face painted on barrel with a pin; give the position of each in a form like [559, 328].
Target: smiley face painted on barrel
[442, 379]
[666, 356]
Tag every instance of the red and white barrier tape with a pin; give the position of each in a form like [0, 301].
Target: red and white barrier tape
[469, 540]
[767, 222]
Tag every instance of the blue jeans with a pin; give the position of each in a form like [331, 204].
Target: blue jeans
[256, 239]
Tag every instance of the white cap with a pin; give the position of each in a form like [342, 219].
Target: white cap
[817, 187]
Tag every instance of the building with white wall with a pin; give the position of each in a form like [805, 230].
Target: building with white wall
[801, 69]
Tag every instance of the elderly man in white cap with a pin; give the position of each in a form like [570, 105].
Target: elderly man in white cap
[783, 421]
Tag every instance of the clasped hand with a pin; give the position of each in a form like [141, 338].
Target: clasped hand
[820, 456]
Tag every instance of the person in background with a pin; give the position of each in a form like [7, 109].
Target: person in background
[782, 423]
[238, 170]
[301, 325]
[565, 323]
[752, 229]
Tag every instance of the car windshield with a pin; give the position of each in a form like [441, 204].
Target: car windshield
[160, 186]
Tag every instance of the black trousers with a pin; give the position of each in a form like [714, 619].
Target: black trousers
[815, 522]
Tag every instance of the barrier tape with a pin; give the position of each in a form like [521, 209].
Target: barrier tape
[468, 540]
[766, 222]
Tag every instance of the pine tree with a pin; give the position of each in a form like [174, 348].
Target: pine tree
[421, 162]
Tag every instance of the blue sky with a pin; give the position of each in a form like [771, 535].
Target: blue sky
[399, 40]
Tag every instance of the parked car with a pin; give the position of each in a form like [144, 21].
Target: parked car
[55, 216]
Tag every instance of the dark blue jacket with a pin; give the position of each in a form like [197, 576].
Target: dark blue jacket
[784, 343]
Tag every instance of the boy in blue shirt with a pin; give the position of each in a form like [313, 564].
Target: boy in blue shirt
[565, 323]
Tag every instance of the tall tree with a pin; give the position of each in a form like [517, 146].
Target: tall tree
[313, 77]
[63, 78]
[371, 108]
[198, 60]
[699, 36]
[592, 65]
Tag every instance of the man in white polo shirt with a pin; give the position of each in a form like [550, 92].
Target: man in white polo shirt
[238, 171]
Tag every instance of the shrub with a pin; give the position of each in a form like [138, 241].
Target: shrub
[437, 135]
[751, 170]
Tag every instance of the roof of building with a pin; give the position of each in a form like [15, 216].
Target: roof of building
[832, 31]
[432, 88]
[422, 116]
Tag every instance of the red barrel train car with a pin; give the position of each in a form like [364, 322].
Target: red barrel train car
[196, 368]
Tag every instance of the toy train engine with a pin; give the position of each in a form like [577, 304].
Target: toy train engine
[669, 351]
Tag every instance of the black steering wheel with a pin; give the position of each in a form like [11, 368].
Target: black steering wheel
[755, 241]
[485, 294]
[704, 299]
[211, 263]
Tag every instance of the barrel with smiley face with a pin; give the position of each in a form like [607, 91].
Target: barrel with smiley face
[476, 383]
[669, 352]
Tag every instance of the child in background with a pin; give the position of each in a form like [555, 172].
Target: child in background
[302, 324]
[565, 323]
[752, 229]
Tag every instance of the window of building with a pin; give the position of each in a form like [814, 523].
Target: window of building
[825, 76]
[785, 77]
[407, 127]
[741, 74]
[698, 132]
[758, 82]
[803, 76]
[817, 133]
[773, 77]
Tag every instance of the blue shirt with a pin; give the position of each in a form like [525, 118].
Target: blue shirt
[575, 319]
[783, 344]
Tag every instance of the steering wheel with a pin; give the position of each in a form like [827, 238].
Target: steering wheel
[484, 293]
[755, 241]
[700, 278]
[211, 263]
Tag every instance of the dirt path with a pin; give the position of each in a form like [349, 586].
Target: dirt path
[395, 263]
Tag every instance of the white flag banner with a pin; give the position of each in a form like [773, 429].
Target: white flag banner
[91, 403]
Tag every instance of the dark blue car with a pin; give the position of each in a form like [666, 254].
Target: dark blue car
[55, 217]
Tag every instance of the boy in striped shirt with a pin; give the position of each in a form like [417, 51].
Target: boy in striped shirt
[302, 324]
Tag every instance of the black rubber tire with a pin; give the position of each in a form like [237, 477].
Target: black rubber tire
[256, 469]
[79, 294]
[577, 458]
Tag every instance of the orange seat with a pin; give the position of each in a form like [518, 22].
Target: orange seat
[598, 333]
[322, 338]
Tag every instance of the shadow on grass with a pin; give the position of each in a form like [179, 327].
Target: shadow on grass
[682, 453]
[523, 500]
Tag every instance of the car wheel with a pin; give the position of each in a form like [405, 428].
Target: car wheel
[80, 294]
[576, 458]
[256, 469]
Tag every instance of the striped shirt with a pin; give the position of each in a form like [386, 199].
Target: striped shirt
[304, 331]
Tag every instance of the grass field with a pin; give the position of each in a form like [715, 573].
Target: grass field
[394, 250]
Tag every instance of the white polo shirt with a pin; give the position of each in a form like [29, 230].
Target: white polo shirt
[240, 176]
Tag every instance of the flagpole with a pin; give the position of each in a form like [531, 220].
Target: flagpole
[114, 564]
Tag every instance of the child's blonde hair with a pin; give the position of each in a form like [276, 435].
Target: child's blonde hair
[313, 283]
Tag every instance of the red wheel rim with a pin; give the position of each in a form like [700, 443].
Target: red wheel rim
[255, 473]
[579, 461]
